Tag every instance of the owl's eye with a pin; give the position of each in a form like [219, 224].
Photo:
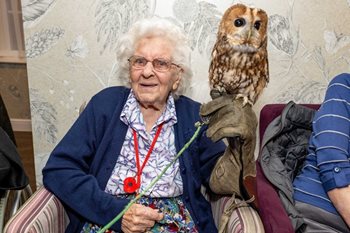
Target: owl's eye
[257, 25]
[239, 22]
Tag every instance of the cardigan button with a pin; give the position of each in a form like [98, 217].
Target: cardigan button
[337, 169]
[183, 171]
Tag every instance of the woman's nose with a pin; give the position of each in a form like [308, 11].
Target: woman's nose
[148, 70]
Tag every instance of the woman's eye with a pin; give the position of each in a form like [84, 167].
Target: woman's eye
[161, 63]
[140, 61]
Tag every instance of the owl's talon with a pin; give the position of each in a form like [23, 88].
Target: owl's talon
[205, 119]
[245, 98]
[215, 93]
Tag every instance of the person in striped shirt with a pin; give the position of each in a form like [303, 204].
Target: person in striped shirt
[321, 189]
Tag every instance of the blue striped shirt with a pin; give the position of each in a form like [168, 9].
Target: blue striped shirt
[327, 165]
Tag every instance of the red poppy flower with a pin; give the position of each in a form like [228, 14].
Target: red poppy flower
[130, 185]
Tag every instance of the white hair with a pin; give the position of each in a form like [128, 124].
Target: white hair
[154, 27]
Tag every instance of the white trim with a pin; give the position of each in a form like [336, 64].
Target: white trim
[24, 125]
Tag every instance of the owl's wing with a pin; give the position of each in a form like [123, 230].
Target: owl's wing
[218, 49]
[213, 55]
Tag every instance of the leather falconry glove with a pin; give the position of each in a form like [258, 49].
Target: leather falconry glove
[229, 119]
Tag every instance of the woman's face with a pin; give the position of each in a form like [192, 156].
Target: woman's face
[152, 87]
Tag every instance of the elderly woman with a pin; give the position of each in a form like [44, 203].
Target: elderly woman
[125, 137]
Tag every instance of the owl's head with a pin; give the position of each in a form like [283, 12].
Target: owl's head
[244, 28]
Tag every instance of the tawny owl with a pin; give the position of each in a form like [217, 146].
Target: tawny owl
[239, 64]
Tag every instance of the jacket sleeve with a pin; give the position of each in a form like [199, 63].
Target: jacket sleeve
[209, 154]
[67, 172]
[5, 122]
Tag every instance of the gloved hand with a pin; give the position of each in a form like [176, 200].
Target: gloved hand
[227, 118]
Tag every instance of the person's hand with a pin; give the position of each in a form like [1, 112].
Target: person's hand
[228, 118]
[139, 218]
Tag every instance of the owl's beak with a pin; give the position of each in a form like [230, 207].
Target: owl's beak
[249, 35]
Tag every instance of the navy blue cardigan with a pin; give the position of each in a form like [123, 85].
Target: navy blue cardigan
[80, 165]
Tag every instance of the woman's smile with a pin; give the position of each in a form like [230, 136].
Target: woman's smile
[148, 85]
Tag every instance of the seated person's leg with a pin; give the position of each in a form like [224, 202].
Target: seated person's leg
[319, 220]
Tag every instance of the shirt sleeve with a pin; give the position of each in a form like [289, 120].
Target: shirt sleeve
[331, 129]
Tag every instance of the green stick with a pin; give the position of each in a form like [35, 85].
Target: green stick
[133, 201]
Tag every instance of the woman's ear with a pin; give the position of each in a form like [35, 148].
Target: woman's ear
[177, 80]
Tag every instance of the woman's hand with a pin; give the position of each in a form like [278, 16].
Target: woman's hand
[139, 218]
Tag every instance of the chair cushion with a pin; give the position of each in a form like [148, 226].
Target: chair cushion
[243, 219]
[43, 212]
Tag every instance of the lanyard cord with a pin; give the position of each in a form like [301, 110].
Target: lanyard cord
[138, 196]
[139, 170]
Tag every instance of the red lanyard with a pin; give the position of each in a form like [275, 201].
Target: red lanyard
[130, 184]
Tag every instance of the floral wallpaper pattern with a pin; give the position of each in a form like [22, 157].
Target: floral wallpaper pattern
[70, 52]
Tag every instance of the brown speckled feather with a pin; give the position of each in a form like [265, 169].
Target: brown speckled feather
[239, 64]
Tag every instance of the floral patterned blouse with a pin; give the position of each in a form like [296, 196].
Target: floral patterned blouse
[170, 185]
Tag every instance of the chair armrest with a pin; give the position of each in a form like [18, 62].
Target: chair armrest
[245, 219]
[3, 203]
[43, 212]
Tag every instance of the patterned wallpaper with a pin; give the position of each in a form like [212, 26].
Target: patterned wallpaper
[70, 51]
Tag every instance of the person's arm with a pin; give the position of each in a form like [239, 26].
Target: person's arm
[331, 129]
[340, 197]
[67, 172]
[235, 172]
[209, 154]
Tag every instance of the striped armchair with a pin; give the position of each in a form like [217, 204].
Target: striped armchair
[44, 213]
